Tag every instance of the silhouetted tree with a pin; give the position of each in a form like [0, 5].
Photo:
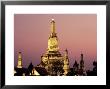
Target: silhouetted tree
[30, 67]
[94, 71]
[95, 68]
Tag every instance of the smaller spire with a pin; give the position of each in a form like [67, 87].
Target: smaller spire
[19, 60]
[66, 56]
[75, 64]
[82, 62]
[66, 63]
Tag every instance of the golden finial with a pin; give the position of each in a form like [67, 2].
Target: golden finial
[52, 19]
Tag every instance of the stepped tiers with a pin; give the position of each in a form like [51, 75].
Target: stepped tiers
[52, 60]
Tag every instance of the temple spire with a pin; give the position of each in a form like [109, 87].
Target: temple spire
[19, 60]
[81, 62]
[66, 63]
[52, 26]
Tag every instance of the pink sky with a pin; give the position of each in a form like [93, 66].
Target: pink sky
[76, 32]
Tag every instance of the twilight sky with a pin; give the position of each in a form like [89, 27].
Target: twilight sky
[76, 32]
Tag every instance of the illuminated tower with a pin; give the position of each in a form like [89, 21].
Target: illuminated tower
[66, 63]
[19, 60]
[52, 60]
[75, 66]
[53, 40]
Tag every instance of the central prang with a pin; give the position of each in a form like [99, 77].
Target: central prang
[52, 60]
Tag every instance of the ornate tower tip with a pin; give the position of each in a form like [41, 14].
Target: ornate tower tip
[52, 19]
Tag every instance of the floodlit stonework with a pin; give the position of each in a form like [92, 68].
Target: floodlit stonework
[52, 60]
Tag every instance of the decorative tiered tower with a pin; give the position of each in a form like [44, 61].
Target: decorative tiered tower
[19, 60]
[52, 60]
[66, 63]
[82, 62]
[81, 70]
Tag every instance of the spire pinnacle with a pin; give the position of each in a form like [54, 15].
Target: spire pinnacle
[52, 19]
[52, 26]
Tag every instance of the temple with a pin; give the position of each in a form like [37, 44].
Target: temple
[53, 63]
[52, 60]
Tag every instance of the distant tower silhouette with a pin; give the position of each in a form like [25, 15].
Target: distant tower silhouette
[75, 66]
[66, 63]
[19, 60]
[82, 62]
